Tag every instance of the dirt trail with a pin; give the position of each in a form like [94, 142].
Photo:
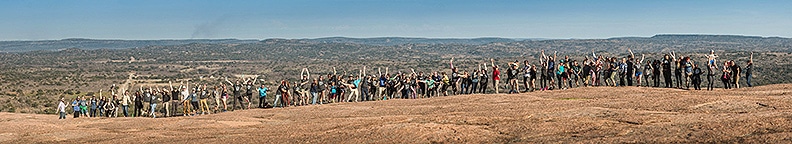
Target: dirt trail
[126, 85]
[581, 115]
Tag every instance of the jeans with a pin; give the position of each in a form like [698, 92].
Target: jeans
[315, 96]
[277, 100]
[748, 79]
[62, 115]
[125, 108]
[93, 112]
[363, 94]
[100, 111]
[629, 79]
[153, 109]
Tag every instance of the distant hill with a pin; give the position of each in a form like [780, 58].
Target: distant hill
[88, 44]
[387, 41]
[661, 42]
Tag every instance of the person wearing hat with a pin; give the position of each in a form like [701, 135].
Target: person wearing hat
[76, 107]
[62, 109]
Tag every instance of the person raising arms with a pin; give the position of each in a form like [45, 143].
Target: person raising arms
[666, 65]
[262, 91]
[454, 83]
[748, 71]
[637, 67]
[495, 76]
[483, 79]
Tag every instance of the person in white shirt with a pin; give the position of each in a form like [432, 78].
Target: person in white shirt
[62, 109]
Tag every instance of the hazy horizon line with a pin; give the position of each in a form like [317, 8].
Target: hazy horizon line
[419, 37]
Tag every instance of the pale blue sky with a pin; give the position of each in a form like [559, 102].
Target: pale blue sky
[261, 19]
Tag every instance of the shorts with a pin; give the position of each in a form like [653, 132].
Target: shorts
[638, 73]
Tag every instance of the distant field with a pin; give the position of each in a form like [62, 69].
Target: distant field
[580, 115]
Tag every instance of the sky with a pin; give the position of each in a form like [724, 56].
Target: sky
[262, 19]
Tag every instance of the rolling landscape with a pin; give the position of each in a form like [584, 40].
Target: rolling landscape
[34, 74]
[31, 81]
[198, 58]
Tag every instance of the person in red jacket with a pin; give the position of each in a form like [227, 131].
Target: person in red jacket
[495, 76]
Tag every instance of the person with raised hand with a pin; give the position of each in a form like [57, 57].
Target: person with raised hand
[483, 79]
[495, 76]
[749, 71]
[61, 109]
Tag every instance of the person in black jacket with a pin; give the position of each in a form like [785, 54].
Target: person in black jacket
[748, 71]
[166, 98]
[696, 77]
[138, 104]
[666, 64]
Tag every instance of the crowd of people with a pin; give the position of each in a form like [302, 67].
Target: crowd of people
[551, 72]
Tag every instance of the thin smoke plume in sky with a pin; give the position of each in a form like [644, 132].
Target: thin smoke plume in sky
[208, 29]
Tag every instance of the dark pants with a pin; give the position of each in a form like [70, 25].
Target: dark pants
[697, 82]
[405, 93]
[93, 112]
[711, 81]
[138, 110]
[364, 94]
[656, 79]
[195, 106]
[726, 83]
[679, 79]
[559, 78]
[667, 77]
[630, 79]
[237, 98]
[473, 87]
[76, 114]
[482, 86]
[175, 105]
[542, 81]
[262, 101]
[62, 115]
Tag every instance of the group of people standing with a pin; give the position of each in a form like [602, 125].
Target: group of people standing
[552, 73]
